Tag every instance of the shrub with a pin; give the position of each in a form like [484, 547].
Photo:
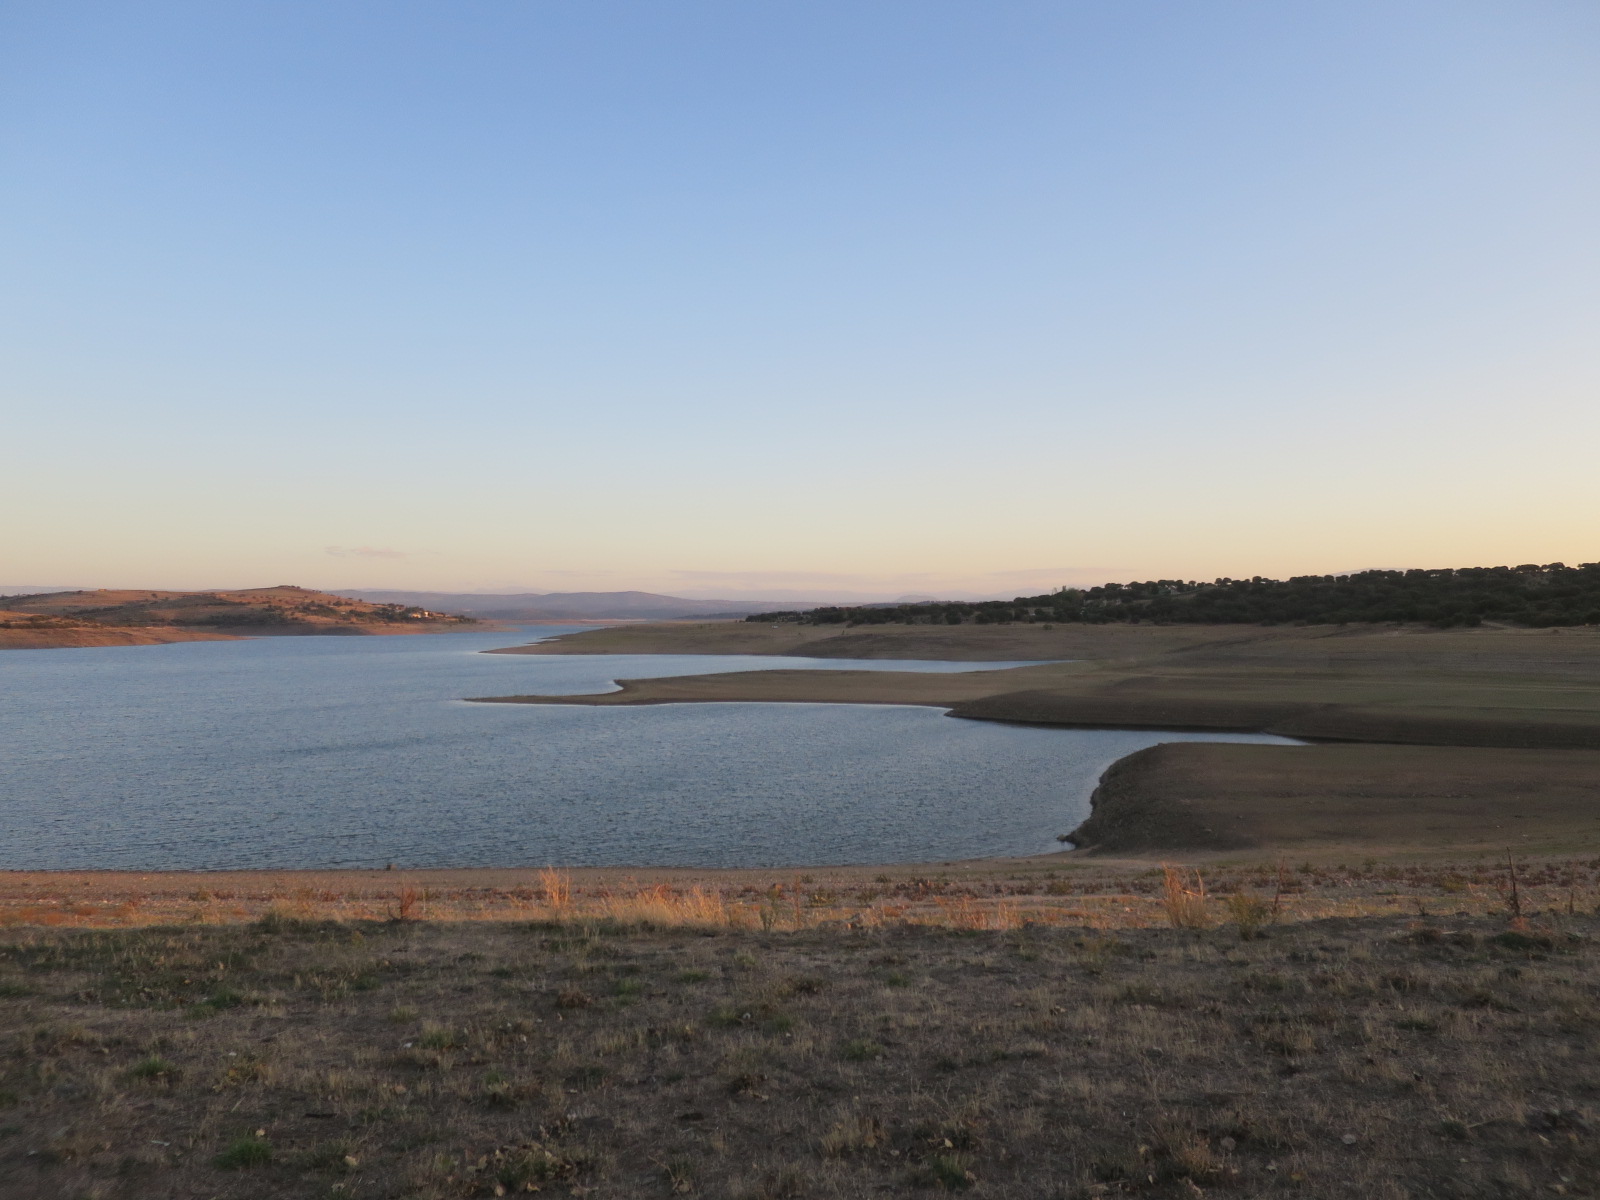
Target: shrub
[1185, 908]
[1249, 912]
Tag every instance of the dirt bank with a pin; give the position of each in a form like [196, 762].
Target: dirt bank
[1182, 798]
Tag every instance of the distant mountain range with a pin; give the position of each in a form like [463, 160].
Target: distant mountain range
[570, 606]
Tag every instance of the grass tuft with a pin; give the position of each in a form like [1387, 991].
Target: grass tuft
[153, 1067]
[1185, 906]
[244, 1153]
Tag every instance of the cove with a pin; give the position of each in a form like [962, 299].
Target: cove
[308, 752]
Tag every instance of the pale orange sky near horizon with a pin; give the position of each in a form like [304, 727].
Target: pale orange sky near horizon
[795, 301]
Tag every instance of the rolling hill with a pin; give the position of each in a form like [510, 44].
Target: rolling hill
[570, 606]
[106, 617]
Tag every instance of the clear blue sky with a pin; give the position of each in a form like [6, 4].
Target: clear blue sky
[773, 298]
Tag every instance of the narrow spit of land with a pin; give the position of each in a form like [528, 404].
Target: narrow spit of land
[1425, 740]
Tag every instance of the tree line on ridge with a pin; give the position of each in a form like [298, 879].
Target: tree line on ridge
[1535, 596]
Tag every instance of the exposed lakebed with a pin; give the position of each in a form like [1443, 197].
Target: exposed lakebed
[359, 751]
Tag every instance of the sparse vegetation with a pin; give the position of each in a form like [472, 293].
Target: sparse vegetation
[1356, 1055]
[1185, 906]
[91, 617]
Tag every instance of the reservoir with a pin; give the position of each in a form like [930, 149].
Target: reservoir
[308, 752]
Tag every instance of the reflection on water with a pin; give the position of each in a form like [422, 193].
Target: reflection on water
[357, 751]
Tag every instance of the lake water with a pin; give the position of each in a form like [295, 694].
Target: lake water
[359, 751]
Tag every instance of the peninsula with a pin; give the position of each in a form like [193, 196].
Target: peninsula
[1420, 739]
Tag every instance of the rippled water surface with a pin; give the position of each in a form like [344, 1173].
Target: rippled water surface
[358, 751]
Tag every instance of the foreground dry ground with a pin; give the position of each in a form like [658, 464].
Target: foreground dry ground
[1387, 1057]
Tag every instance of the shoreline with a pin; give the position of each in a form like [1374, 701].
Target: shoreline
[1426, 744]
[1420, 741]
[1510, 689]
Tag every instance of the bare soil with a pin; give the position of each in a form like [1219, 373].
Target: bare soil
[1186, 797]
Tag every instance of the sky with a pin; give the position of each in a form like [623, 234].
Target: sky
[799, 300]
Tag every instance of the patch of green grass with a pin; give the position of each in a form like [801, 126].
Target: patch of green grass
[437, 1037]
[153, 1067]
[726, 1016]
[953, 1172]
[861, 1050]
[1417, 1025]
[678, 1174]
[517, 1169]
[244, 1153]
[219, 1000]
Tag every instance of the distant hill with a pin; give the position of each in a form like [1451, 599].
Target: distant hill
[136, 616]
[36, 589]
[1530, 595]
[585, 606]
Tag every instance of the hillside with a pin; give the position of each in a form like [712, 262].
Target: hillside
[1529, 595]
[572, 606]
[104, 617]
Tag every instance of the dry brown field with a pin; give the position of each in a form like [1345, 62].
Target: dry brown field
[725, 1039]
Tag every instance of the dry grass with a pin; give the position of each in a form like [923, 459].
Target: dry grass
[987, 896]
[1185, 906]
[613, 1056]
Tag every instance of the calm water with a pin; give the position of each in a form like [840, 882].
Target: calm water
[358, 751]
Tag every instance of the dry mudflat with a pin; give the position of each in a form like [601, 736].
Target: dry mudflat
[1422, 741]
